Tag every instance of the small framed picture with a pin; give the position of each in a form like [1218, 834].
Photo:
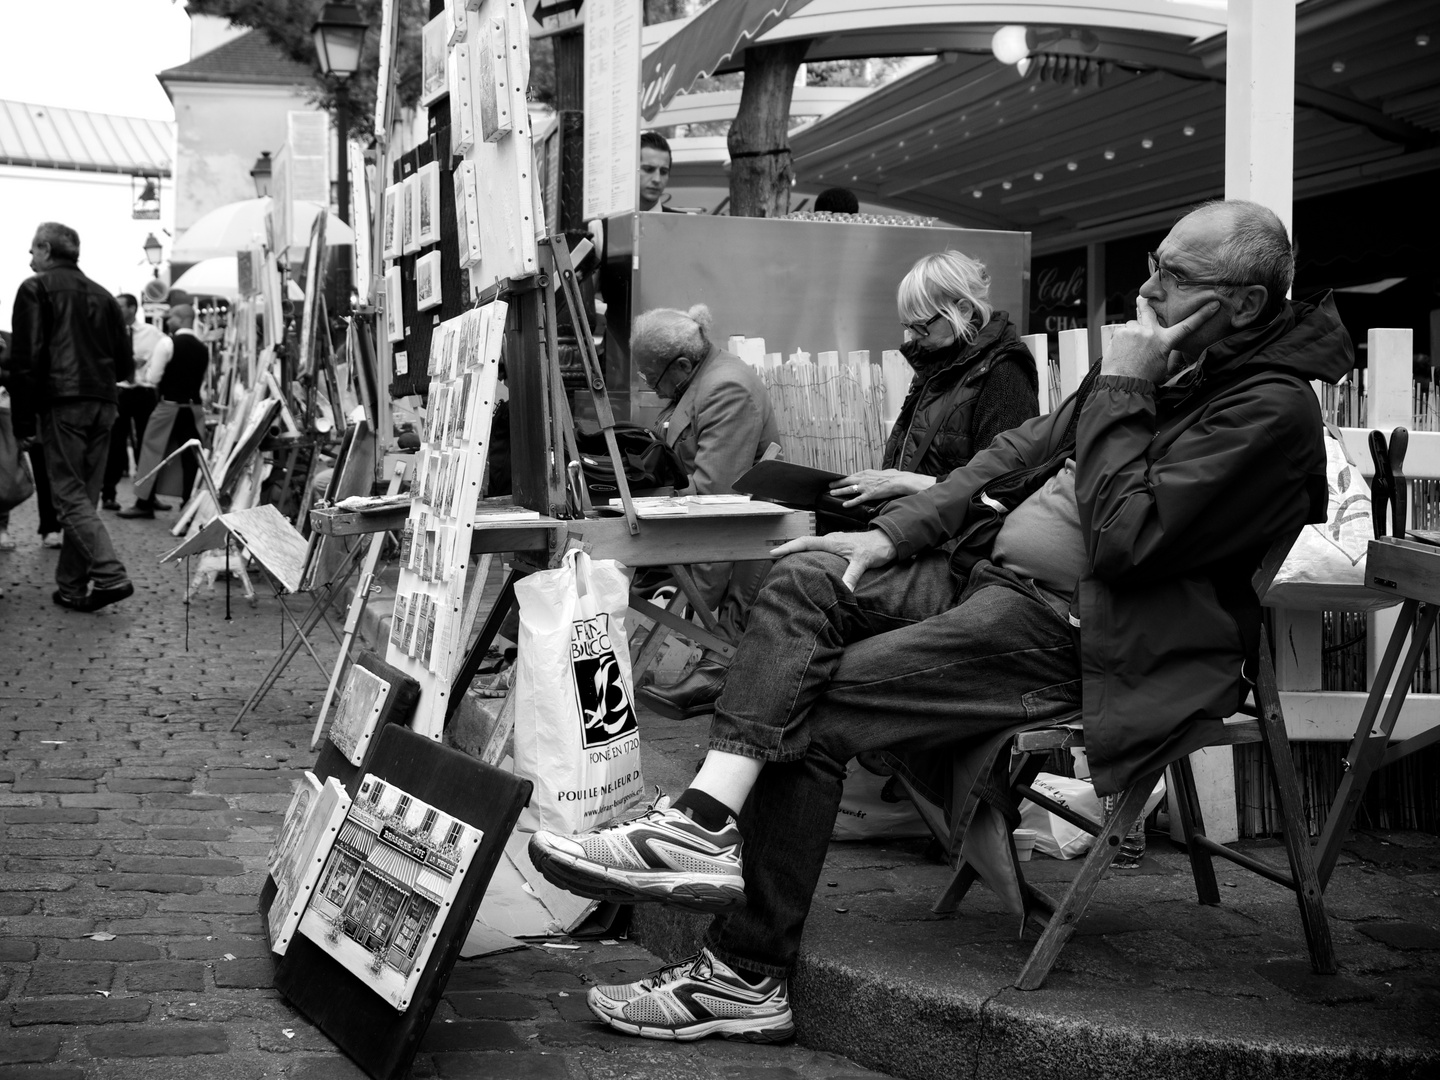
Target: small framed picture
[394, 312]
[410, 216]
[427, 281]
[434, 40]
[467, 195]
[427, 178]
[390, 225]
[492, 73]
[462, 102]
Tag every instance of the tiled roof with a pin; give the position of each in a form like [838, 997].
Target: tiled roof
[45, 136]
[249, 58]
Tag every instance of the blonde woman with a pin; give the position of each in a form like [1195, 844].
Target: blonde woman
[974, 378]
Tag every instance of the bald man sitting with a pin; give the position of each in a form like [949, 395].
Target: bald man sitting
[177, 371]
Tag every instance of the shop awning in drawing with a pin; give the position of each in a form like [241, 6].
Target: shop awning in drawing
[389, 862]
[356, 839]
[432, 885]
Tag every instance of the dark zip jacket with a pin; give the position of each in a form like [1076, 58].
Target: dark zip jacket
[70, 343]
[1181, 490]
[945, 398]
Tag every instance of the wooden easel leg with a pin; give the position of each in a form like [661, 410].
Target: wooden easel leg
[488, 632]
[655, 640]
[1071, 909]
[1192, 823]
[1297, 836]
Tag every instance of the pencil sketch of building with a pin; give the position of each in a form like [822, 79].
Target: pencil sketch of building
[387, 885]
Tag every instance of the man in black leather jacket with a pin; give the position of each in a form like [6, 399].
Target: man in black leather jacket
[70, 348]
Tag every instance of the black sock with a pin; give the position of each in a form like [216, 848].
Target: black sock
[705, 810]
[754, 978]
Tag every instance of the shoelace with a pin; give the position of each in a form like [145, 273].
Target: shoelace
[661, 803]
[695, 963]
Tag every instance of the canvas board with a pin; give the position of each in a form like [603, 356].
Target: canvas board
[427, 178]
[409, 215]
[390, 229]
[427, 281]
[434, 39]
[312, 822]
[394, 308]
[387, 886]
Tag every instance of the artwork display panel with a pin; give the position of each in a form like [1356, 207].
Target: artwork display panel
[387, 885]
[463, 367]
[297, 857]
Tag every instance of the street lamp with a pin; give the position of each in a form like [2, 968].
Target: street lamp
[153, 253]
[261, 173]
[339, 40]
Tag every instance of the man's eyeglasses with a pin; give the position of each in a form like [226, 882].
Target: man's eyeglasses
[654, 383]
[1170, 280]
[922, 330]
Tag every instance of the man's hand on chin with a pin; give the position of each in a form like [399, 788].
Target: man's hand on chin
[1141, 348]
[862, 550]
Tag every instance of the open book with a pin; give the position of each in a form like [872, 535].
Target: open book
[804, 488]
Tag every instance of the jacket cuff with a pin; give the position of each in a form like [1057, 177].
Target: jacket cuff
[903, 548]
[1127, 383]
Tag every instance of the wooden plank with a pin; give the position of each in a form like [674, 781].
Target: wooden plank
[1404, 569]
[1330, 716]
[691, 539]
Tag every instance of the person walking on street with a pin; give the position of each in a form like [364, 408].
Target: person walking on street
[70, 349]
[136, 400]
[177, 371]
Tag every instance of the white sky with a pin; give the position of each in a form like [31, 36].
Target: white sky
[100, 55]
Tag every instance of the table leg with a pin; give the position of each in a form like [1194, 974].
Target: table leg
[1368, 749]
[476, 656]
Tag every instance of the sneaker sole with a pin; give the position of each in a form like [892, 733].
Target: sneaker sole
[596, 882]
[760, 1029]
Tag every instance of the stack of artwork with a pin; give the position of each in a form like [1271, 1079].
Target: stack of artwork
[435, 543]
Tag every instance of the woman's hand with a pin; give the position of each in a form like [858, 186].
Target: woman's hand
[875, 485]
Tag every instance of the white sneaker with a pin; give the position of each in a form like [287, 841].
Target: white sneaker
[660, 856]
[692, 999]
[52, 540]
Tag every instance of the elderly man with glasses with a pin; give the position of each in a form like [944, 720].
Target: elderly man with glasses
[1098, 557]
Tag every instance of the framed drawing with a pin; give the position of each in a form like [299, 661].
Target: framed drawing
[394, 309]
[375, 694]
[390, 223]
[427, 180]
[427, 281]
[434, 40]
[379, 914]
[492, 80]
[462, 102]
[409, 216]
[389, 880]
[311, 824]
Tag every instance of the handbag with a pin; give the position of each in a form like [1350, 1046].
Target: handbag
[648, 463]
[576, 737]
[1325, 567]
[17, 483]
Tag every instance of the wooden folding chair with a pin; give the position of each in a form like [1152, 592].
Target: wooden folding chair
[1058, 918]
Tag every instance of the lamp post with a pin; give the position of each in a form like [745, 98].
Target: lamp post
[339, 41]
[153, 252]
[261, 172]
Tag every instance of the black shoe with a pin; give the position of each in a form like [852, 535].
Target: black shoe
[110, 504]
[695, 695]
[139, 510]
[74, 603]
[99, 598]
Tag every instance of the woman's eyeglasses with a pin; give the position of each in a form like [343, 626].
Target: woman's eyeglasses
[922, 330]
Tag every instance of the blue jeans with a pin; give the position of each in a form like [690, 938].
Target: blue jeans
[76, 437]
[916, 658]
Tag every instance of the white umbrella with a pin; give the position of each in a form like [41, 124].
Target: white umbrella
[220, 277]
[227, 229]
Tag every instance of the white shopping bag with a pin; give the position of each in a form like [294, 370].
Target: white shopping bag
[1056, 837]
[576, 738]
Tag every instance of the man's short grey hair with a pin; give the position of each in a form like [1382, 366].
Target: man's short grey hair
[661, 334]
[64, 241]
[1257, 250]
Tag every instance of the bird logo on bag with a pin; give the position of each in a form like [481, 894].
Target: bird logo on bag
[606, 712]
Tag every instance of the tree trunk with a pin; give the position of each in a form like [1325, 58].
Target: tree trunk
[759, 138]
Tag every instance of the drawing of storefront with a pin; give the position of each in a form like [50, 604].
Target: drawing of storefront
[386, 880]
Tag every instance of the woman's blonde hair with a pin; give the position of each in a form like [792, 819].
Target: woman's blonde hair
[665, 333]
[948, 283]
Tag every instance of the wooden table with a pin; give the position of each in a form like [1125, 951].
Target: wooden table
[1411, 571]
[674, 542]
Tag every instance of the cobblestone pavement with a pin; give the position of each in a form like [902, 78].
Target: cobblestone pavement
[134, 827]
